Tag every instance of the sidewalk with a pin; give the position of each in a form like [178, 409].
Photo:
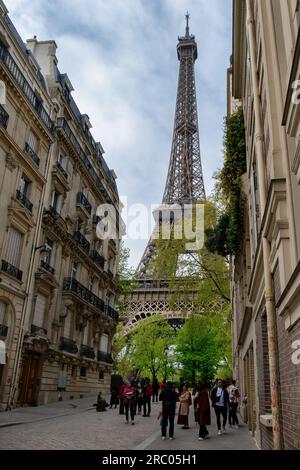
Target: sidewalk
[52, 410]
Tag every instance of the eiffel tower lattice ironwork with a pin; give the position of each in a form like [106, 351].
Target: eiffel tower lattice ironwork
[184, 185]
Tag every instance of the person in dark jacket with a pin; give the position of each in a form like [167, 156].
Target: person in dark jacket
[147, 394]
[155, 388]
[203, 410]
[220, 401]
[168, 397]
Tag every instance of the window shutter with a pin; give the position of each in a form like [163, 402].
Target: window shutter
[14, 247]
[39, 312]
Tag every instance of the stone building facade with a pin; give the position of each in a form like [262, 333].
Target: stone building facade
[265, 276]
[58, 279]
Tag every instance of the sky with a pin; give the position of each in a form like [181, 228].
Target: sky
[120, 56]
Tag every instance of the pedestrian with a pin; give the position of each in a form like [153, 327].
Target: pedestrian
[168, 397]
[147, 394]
[220, 399]
[203, 410]
[121, 387]
[185, 402]
[114, 396]
[155, 388]
[129, 397]
[234, 394]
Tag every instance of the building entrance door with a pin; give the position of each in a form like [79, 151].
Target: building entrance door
[28, 385]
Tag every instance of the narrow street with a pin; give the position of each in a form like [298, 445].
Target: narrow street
[76, 425]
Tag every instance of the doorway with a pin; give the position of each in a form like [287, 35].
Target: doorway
[29, 380]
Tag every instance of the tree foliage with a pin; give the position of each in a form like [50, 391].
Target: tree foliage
[224, 238]
[151, 341]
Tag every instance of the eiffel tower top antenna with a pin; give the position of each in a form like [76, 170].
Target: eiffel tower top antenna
[187, 30]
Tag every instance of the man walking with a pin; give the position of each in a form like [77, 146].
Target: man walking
[168, 397]
[220, 400]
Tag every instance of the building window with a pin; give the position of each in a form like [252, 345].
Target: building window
[48, 252]
[82, 371]
[39, 311]
[80, 225]
[104, 343]
[14, 247]
[101, 375]
[33, 141]
[63, 161]
[67, 325]
[75, 273]
[24, 186]
[3, 319]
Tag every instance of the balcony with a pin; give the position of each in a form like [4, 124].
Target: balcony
[83, 201]
[87, 351]
[11, 270]
[24, 86]
[72, 285]
[4, 116]
[68, 345]
[62, 170]
[3, 331]
[97, 258]
[32, 154]
[54, 214]
[21, 197]
[104, 357]
[83, 242]
[34, 329]
[47, 266]
[111, 312]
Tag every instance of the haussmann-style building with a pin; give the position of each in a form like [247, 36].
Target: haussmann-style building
[58, 280]
[265, 275]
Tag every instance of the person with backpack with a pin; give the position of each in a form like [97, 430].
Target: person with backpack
[234, 395]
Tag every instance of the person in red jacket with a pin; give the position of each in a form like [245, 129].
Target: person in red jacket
[147, 394]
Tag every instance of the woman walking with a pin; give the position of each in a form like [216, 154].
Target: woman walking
[129, 397]
[203, 410]
[184, 408]
[220, 400]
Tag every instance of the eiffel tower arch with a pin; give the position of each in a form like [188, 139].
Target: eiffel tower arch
[184, 185]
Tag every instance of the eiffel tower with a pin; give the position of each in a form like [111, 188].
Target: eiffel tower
[184, 185]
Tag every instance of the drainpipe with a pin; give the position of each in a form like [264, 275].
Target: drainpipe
[270, 307]
[30, 277]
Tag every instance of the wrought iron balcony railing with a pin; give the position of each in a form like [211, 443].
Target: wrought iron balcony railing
[23, 200]
[47, 266]
[62, 170]
[3, 331]
[83, 242]
[81, 199]
[71, 284]
[32, 154]
[104, 357]
[11, 270]
[35, 328]
[87, 351]
[97, 258]
[4, 116]
[23, 84]
[68, 345]
[54, 213]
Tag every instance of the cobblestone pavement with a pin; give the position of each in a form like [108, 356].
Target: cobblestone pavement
[86, 429]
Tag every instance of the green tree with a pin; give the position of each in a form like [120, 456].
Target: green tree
[151, 341]
[126, 279]
[121, 352]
